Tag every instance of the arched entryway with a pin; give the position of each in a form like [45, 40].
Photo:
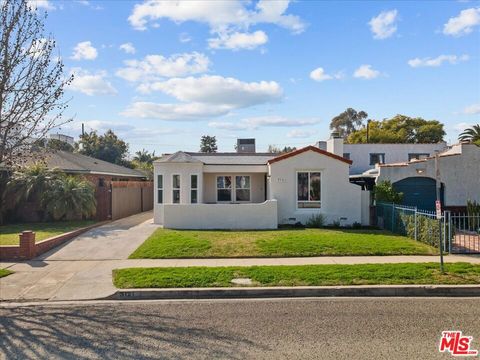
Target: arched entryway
[419, 192]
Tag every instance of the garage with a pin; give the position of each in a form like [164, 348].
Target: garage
[419, 192]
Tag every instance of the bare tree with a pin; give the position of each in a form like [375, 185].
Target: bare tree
[31, 81]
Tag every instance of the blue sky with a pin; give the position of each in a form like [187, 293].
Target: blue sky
[161, 74]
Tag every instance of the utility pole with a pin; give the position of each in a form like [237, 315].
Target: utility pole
[438, 207]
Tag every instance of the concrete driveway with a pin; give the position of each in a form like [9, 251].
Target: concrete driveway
[78, 269]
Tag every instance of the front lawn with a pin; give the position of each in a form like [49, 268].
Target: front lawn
[9, 233]
[304, 275]
[164, 243]
[5, 272]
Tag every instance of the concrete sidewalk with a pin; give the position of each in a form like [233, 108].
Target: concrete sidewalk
[82, 268]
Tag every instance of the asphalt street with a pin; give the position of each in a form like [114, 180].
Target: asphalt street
[327, 328]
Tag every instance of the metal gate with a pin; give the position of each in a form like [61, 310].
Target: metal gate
[464, 233]
[460, 233]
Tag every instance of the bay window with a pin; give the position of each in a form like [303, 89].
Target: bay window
[176, 189]
[193, 189]
[309, 189]
[160, 189]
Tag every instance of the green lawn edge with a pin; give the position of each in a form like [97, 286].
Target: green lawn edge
[43, 230]
[5, 272]
[181, 244]
[301, 275]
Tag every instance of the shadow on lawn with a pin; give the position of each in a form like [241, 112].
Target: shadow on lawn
[108, 332]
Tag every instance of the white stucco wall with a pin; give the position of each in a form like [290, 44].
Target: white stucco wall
[394, 153]
[459, 173]
[340, 198]
[221, 216]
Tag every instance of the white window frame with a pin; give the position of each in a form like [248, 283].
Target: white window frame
[177, 189]
[160, 189]
[231, 188]
[308, 201]
[249, 189]
[193, 188]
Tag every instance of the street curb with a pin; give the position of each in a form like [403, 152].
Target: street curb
[303, 291]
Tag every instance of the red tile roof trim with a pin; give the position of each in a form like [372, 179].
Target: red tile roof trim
[308, 148]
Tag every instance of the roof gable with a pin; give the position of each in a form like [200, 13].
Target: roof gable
[178, 157]
[305, 149]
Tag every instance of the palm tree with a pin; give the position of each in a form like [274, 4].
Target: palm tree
[471, 135]
[71, 197]
[144, 156]
[31, 181]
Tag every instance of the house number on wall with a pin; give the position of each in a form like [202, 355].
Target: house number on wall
[281, 180]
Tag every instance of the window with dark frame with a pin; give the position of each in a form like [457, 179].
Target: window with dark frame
[346, 156]
[224, 188]
[242, 188]
[194, 189]
[377, 158]
[176, 189]
[309, 190]
[160, 189]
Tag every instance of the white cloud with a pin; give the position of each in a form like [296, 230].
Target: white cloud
[206, 96]
[297, 133]
[128, 48]
[383, 25]
[154, 67]
[91, 84]
[218, 90]
[439, 60]
[263, 121]
[174, 112]
[38, 46]
[84, 51]
[319, 75]
[219, 15]
[463, 23]
[366, 72]
[40, 4]
[472, 109]
[461, 127]
[184, 38]
[238, 40]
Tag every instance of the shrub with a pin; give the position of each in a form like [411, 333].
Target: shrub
[384, 192]
[335, 224]
[356, 225]
[473, 212]
[316, 221]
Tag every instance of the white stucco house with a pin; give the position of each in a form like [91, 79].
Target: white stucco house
[459, 168]
[249, 190]
[365, 156]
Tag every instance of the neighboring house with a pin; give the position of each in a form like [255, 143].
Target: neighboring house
[99, 172]
[365, 156]
[459, 169]
[119, 191]
[248, 190]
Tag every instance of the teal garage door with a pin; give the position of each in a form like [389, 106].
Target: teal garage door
[419, 192]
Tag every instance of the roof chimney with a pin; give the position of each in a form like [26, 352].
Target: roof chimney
[245, 145]
[335, 144]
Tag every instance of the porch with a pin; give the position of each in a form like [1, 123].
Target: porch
[241, 216]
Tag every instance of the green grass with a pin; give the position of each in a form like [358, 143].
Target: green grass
[5, 272]
[304, 275]
[9, 233]
[164, 243]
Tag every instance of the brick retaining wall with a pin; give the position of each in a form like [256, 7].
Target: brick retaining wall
[28, 249]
